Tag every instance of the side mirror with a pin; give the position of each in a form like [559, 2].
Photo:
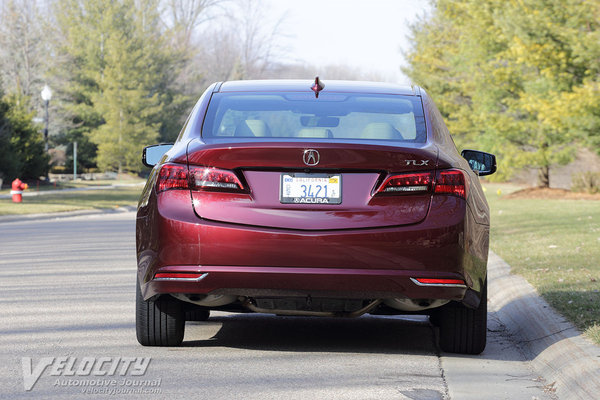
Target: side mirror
[480, 162]
[151, 155]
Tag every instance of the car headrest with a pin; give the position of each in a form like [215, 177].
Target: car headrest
[382, 131]
[315, 133]
[252, 127]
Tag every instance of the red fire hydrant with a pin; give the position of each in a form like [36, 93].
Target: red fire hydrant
[17, 190]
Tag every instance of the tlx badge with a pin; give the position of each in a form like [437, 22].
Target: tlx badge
[418, 163]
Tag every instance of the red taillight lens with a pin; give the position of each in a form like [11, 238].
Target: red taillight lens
[176, 275]
[451, 182]
[407, 183]
[172, 176]
[214, 179]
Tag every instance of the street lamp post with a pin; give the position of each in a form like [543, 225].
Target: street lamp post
[46, 96]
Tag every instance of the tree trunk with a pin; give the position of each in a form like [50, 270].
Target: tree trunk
[544, 176]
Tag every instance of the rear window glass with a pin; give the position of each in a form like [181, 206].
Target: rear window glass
[302, 116]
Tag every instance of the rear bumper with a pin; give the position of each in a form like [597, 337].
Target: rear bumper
[327, 282]
[363, 263]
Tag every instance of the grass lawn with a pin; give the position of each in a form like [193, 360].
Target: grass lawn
[555, 245]
[49, 203]
[70, 184]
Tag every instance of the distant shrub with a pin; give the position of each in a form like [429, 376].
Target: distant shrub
[587, 182]
[58, 169]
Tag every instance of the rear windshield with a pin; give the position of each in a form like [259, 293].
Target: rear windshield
[301, 116]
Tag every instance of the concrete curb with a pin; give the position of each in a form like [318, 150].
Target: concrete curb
[66, 214]
[556, 349]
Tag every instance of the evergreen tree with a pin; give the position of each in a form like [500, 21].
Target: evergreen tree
[122, 71]
[21, 143]
[9, 164]
[79, 47]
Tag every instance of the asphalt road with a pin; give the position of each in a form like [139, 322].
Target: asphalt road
[67, 291]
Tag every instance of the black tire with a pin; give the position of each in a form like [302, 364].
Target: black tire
[160, 322]
[197, 314]
[462, 329]
[435, 317]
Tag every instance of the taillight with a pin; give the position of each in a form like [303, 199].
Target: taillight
[407, 183]
[175, 176]
[172, 176]
[202, 178]
[451, 182]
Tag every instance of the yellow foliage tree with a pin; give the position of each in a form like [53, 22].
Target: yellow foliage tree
[518, 78]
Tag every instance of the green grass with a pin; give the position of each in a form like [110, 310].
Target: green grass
[70, 184]
[555, 245]
[93, 199]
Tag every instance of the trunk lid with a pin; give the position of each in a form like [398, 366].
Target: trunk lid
[361, 168]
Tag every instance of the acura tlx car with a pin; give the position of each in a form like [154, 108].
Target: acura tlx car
[306, 198]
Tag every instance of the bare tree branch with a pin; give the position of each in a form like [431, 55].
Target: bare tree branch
[22, 63]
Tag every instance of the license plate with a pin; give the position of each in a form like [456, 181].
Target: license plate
[310, 189]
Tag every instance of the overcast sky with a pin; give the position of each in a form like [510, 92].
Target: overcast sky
[365, 34]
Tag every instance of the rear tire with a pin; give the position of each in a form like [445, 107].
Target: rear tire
[434, 317]
[197, 314]
[160, 322]
[462, 329]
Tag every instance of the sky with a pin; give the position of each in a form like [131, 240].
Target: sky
[363, 34]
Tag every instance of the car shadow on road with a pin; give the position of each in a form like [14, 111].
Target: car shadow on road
[367, 334]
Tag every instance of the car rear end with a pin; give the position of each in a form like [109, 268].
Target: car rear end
[297, 204]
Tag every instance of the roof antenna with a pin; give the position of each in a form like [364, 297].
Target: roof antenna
[317, 87]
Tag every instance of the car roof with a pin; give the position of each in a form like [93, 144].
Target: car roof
[302, 85]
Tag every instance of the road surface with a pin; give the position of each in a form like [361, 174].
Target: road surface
[67, 289]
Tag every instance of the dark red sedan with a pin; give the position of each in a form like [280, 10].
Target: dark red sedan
[316, 199]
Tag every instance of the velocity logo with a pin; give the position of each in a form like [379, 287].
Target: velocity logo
[86, 366]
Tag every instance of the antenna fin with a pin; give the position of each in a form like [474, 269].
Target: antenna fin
[317, 87]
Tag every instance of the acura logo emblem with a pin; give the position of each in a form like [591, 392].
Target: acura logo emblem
[311, 157]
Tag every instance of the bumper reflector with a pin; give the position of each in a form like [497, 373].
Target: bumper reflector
[179, 276]
[439, 282]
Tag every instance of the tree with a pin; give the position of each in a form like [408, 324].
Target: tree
[544, 43]
[120, 77]
[508, 75]
[22, 48]
[183, 17]
[21, 144]
[77, 44]
[243, 46]
[9, 164]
